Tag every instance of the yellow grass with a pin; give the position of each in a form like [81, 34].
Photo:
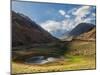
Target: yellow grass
[73, 63]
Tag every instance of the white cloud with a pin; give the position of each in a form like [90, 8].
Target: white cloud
[82, 11]
[51, 25]
[67, 16]
[88, 20]
[62, 12]
[69, 22]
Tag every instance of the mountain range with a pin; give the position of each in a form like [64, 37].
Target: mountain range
[82, 31]
[27, 32]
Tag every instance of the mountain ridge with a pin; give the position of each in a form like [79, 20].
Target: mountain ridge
[78, 30]
[26, 32]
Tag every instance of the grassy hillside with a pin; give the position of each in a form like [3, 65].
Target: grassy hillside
[88, 36]
[78, 55]
[81, 48]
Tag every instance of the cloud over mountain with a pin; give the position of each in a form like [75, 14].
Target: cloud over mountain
[71, 19]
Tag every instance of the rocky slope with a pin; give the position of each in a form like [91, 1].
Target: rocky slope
[27, 32]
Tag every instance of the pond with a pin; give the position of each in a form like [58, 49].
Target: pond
[42, 59]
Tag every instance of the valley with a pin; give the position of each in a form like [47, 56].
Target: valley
[35, 50]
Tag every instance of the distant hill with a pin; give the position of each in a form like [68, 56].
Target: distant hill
[26, 32]
[90, 35]
[82, 28]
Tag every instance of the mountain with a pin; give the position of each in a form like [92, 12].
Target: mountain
[78, 30]
[90, 35]
[27, 32]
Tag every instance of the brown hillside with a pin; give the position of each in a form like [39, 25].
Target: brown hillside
[27, 32]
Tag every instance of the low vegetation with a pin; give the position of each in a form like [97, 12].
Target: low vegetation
[70, 63]
[79, 55]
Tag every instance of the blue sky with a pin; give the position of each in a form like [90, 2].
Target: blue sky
[56, 18]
